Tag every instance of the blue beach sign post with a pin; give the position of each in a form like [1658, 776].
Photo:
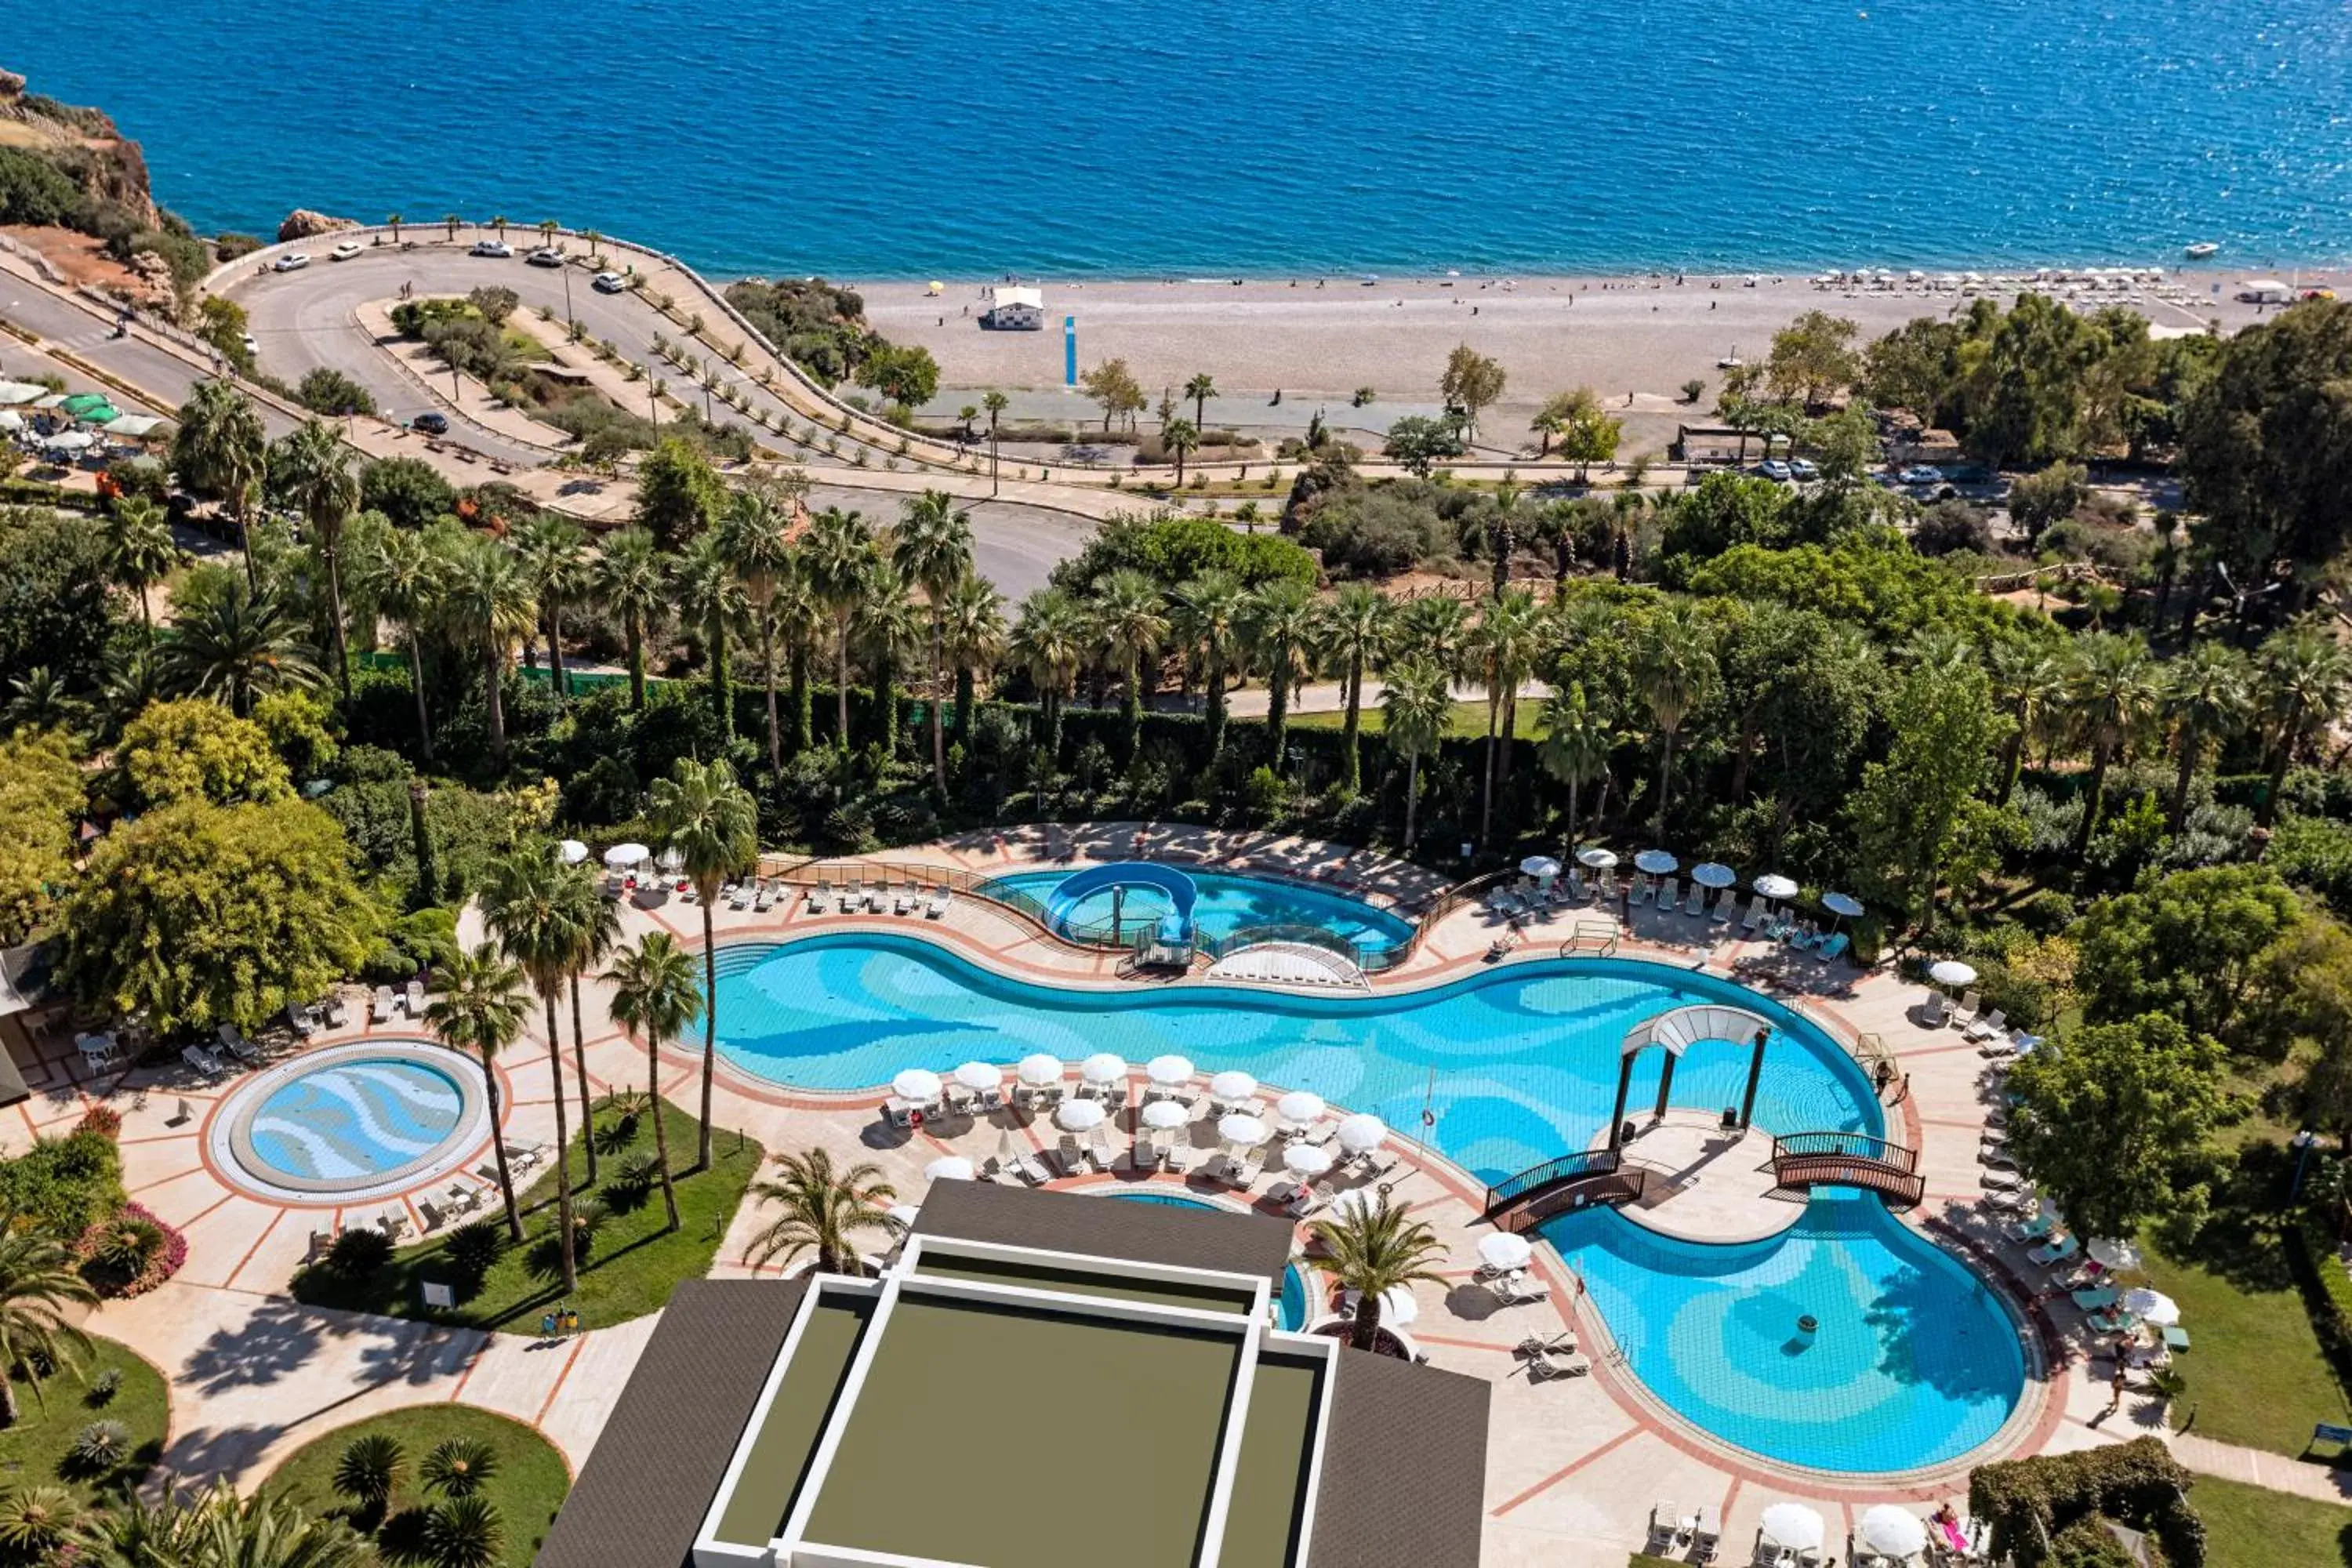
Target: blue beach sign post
[1069, 350]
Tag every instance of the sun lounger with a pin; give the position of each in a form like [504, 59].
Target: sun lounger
[300, 1020]
[338, 1012]
[1935, 1013]
[1550, 1366]
[321, 1242]
[1144, 1155]
[394, 1225]
[903, 901]
[386, 1007]
[1033, 1170]
[1099, 1145]
[1074, 1160]
[1669, 892]
[1694, 905]
[416, 999]
[2057, 1251]
[738, 896]
[1835, 944]
[2035, 1230]
[2114, 1322]
[1518, 1289]
[938, 904]
[1643, 892]
[1177, 1158]
[1707, 1533]
[2099, 1299]
[1755, 916]
[1311, 1200]
[1665, 1530]
[1997, 1156]
[1990, 1027]
[1965, 1013]
[764, 899]
[690, 892]
[876, 895]
[234, 1042]
[208, 1066]
[1283, 1191]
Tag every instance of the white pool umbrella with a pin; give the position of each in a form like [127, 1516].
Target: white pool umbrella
[1165, 1115]
[1038, 1071]
[1952, 971]
[1505, 1249]
[1596, 859]
[2153, 1306]
[1169, 1070]
[1713, 874]
[917, 1084]
[1542, 867]
[1845, 906]
[1081, 1115]
[1892, 1531]
[980, 1075]
[1398, 1308]
[621, 856]
[1299, 1108]
[1355, 1201]
[1361, 1133]
[1792, 1526]
[1232, 1087]
[1773, 885]
[1306, 1160]
[2113, 1253]
[902, 1216]
[1655, 862]
[572, 851]
[1245, 1131]
[1103, 1068]
[950, 1168]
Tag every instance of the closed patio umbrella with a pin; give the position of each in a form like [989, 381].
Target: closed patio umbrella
[1792, 1526]
[1169, 1071]
[1247, 1131]
[919, 1084]
[1081, 1115]
[1165, 1115]
[1361, 1133]
[1299, 1108]
[1039, 1070]
[950, 1168]
[1892, 1532]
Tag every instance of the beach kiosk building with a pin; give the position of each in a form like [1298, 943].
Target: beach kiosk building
[1015, 309]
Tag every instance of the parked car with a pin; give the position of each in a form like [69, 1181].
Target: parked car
[1921, 474]
[1803, 468]
[1774, 468]
[545, 256]
[431, 423]
[610, 283]
[498, 248]
[346, 250]
[292, 261]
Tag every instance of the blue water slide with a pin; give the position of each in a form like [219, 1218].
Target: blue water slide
[1079, 886]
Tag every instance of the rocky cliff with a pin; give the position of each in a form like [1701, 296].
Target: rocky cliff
[83, 144]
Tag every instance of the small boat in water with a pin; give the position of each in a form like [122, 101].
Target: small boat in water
[2200, 251]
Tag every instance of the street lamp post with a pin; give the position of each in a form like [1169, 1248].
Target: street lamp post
[2304, 1141]
[569, 319]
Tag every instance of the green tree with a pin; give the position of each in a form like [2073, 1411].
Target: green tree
[1049, 641]
[463, 1532]
[679, 492]
[404, 576]
[198, 750]
[41, 797]
[933, 551]
[2038, 500]
[486, 600]
[1471, 382]
[1199, 389]
[552, 551]
[1421, 443]
[886, 628]
[1587, 432]
[823, 1209]
[1812, 357]
[480, 1008]
[1912, 814]
[2206, 695]
[631, 577]
[408, 490]
[1129, 617]
[1115, 390]
[1503, 647]
[756, 539]
[139, 551]
[1208, 614]
[592, 926]
[40, 1281]
[314, 470]
[368, 1470]
[1358, 626]
[1279, 618]
[905, 373]
[1375, 1249]
[2190, 944]
[2302, 674]
[2117, 1125]
[712, 599]
[529, 906]
[1675, 671]
[996, 402]
[221, 449]
[2029, 683]
[836, 554]
[1576, 744]
[972, 623]
[656, 999]
[2114, 689]
[458, 1466]
[709, 820]
[1415, 708]
[235, 645]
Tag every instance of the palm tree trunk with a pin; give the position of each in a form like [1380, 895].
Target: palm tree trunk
[1572, 793]
[938, 724]
[2183, 777]
[1216, 708]
[245, 543]
[804, 704]
[1740, 758]
[709, 1034]
[2279, 765]
[580, 1066]
[334, 614]
[1486, 785]
[841, 684]
[1412, 796]
[1365, 1332]
[562, 1149]
[494, 674]
[2092, 794]
[966, 695]
[635, 625]
[1130, 709]
[7, 1400]
[555, 680]
[416, 688]
[1277, 708]
[661, 1130]
[2012, 757]
[768, 669]
[1355, 722]
[499, 1149]
[1666, 778]
[722, 697]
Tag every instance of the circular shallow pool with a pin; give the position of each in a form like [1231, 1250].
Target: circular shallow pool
[1227, 903]
[1295, 1292]
[353, 1121]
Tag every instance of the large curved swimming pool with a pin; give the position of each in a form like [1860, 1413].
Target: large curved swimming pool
[1227, 903]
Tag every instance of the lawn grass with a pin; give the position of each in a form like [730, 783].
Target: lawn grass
[34, 1451]
[1468, 723]
[629, 1272]
[2253, 1527]
[530, 1485]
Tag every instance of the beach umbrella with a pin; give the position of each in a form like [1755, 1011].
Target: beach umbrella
[950, 1168]
[626, 856]
[1299, 1108]
[978, 1075]
[1792, 1526]
[572, 851]
[1245, 1131]
[1081, 1115]
[1169, 1071]
[917, 1084]
[1398, 1308]
[1655, 863]
[1103, 1067]
[1713, 874]
[1845, 906]
[1306, 1160]
[1542, 867]
[2114, 1253]
[2153, 1307]
[1892, 1531]
[1505, 1249]
[1165, 1115]
[1361, 1133]
[1039, 1070]
[1596, 859]
[1232, 1087]
[90, 408]
[1774, 886]
[902, 1216]
[1952, 971]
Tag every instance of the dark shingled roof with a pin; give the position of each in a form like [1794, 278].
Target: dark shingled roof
[1094, 1227]
[1404, 1467]
[642, 1494]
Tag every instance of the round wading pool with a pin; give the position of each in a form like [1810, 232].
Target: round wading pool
[353, 1122]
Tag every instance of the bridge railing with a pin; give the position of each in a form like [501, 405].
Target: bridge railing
[1847, 1146]
[1567, 1167]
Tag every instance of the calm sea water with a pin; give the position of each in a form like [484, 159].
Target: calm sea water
[1165, 136]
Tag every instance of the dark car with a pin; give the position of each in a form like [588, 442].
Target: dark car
[431, 424]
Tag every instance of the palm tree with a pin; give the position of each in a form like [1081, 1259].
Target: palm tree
[463, 1532]
[315, 468]
[1130, 621]
[712, 598]
[1199, 389]
[457, 1466]
[972, 628]
[1376, 1249]
[139, 551]
[595, 926]
[403, 575]
[269, 1530]
[836, 553]
[38, 1521]
[1209, 610]
[1504, 643]
[480, 1008]
[394, 220]
[933, 551]
[755, 535]
[1435, 627]
[1415, 711]
[222, 449]
[234, 645]
[1673, 666]
[823, 1209]
[2207, 693]
[2114, 689]
[656, 999]
[886, 629]
[1279, 617]
[631, 577]
[41, 700]
[996, 402]
[1182, 438]
[1357, 625]
[799, 621]
[2029, 682]
[450, 221]
[700, 812]
[487, 602]
[2303, 674]
[499, 222]
[40, 1278]
[368, 1470]
[529, 907]
[1049, 641]
[1577, 740]
[547, 227]
[554, 551]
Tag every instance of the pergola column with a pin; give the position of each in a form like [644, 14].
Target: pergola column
[1624, 1087]
[1755, 1073]
[1665, 1085]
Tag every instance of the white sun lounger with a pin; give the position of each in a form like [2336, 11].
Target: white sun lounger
[208, 1066]
[1965, 1016]
[1033, 1170]
[1990, 1027]
[386, 1006]
[233, 1040]
[903, 900]
[765, 899]
[938, 904]
[416, 999]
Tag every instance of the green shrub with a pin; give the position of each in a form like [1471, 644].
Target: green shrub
[99, 1447]
[64, 1186]
[359, 1252]
[474, 1246]
[2029, 1501]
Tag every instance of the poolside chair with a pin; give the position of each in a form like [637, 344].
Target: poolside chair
[1934, 1012]
[1072, 1157]
[1574, 883]
[1099, 1145]
[2001, 1181]
[1695, 904]
[938, 904]
[904, 900]
[764, 898]
[2057, 1251]
[878, 897]
[2035, 1230]
[1965, 1016]
[1250, 1169]
[1707, 1533]
[1669, 892]
[338, 1012]
[738, 895]
[688, 891]
[1283, 1191]
[2114, 1322]
[1518, 1289]
[1755, 916]
[385, 1008]
[392, 1224]
[1835, 945]
[2098, 1300]
[1665, 1530]
[1033, 1170]
[1997, 1156]
[210, 1068]
[1144, 1155]
[234, 1042]
[1544, 1367]
[301, 1020]
[1309, 1201]
[416, 999]
[1644, 890]
[321, 1242]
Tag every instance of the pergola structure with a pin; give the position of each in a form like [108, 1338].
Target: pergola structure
[1676, 1031]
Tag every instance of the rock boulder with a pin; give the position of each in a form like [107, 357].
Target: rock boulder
[304, 224]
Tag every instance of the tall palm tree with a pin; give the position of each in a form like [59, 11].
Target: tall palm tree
[1208, 614]
[655, 998]
[140, 551]
[797, 618]
[972, 622]
[394, 220]
[711, 598]
[1376, 1249]
[823, 1209]
[2207, 693]
[1358, 623]
[595, 926]
[836, 554]
[2114, 689]
[1577, 740]
[1672, 667]
[1182, 438]
[755, 534]
[1504, 643]
[631, 576]
[1278, 617]
[553, 551]
[2303, 674]
[480, 1008]
[40, 700]
[886, 628]
[1436, 627]
[403, 575]
[1130, 621]
[234, 645]
[996, 402]
[1415, 711]
[703, 814]
[222, 449]
[527, 905]
[2029, 681]
[1049, 641]
[1199, 389]
[486, 600]
[40, 1278]
[933, 551]
[315, 468]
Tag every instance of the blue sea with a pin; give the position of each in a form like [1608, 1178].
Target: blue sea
[1169, 137]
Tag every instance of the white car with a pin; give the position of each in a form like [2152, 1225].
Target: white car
[498, 248]
[292, 261]
[545, 256]
[610, 283]
[346, 250]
